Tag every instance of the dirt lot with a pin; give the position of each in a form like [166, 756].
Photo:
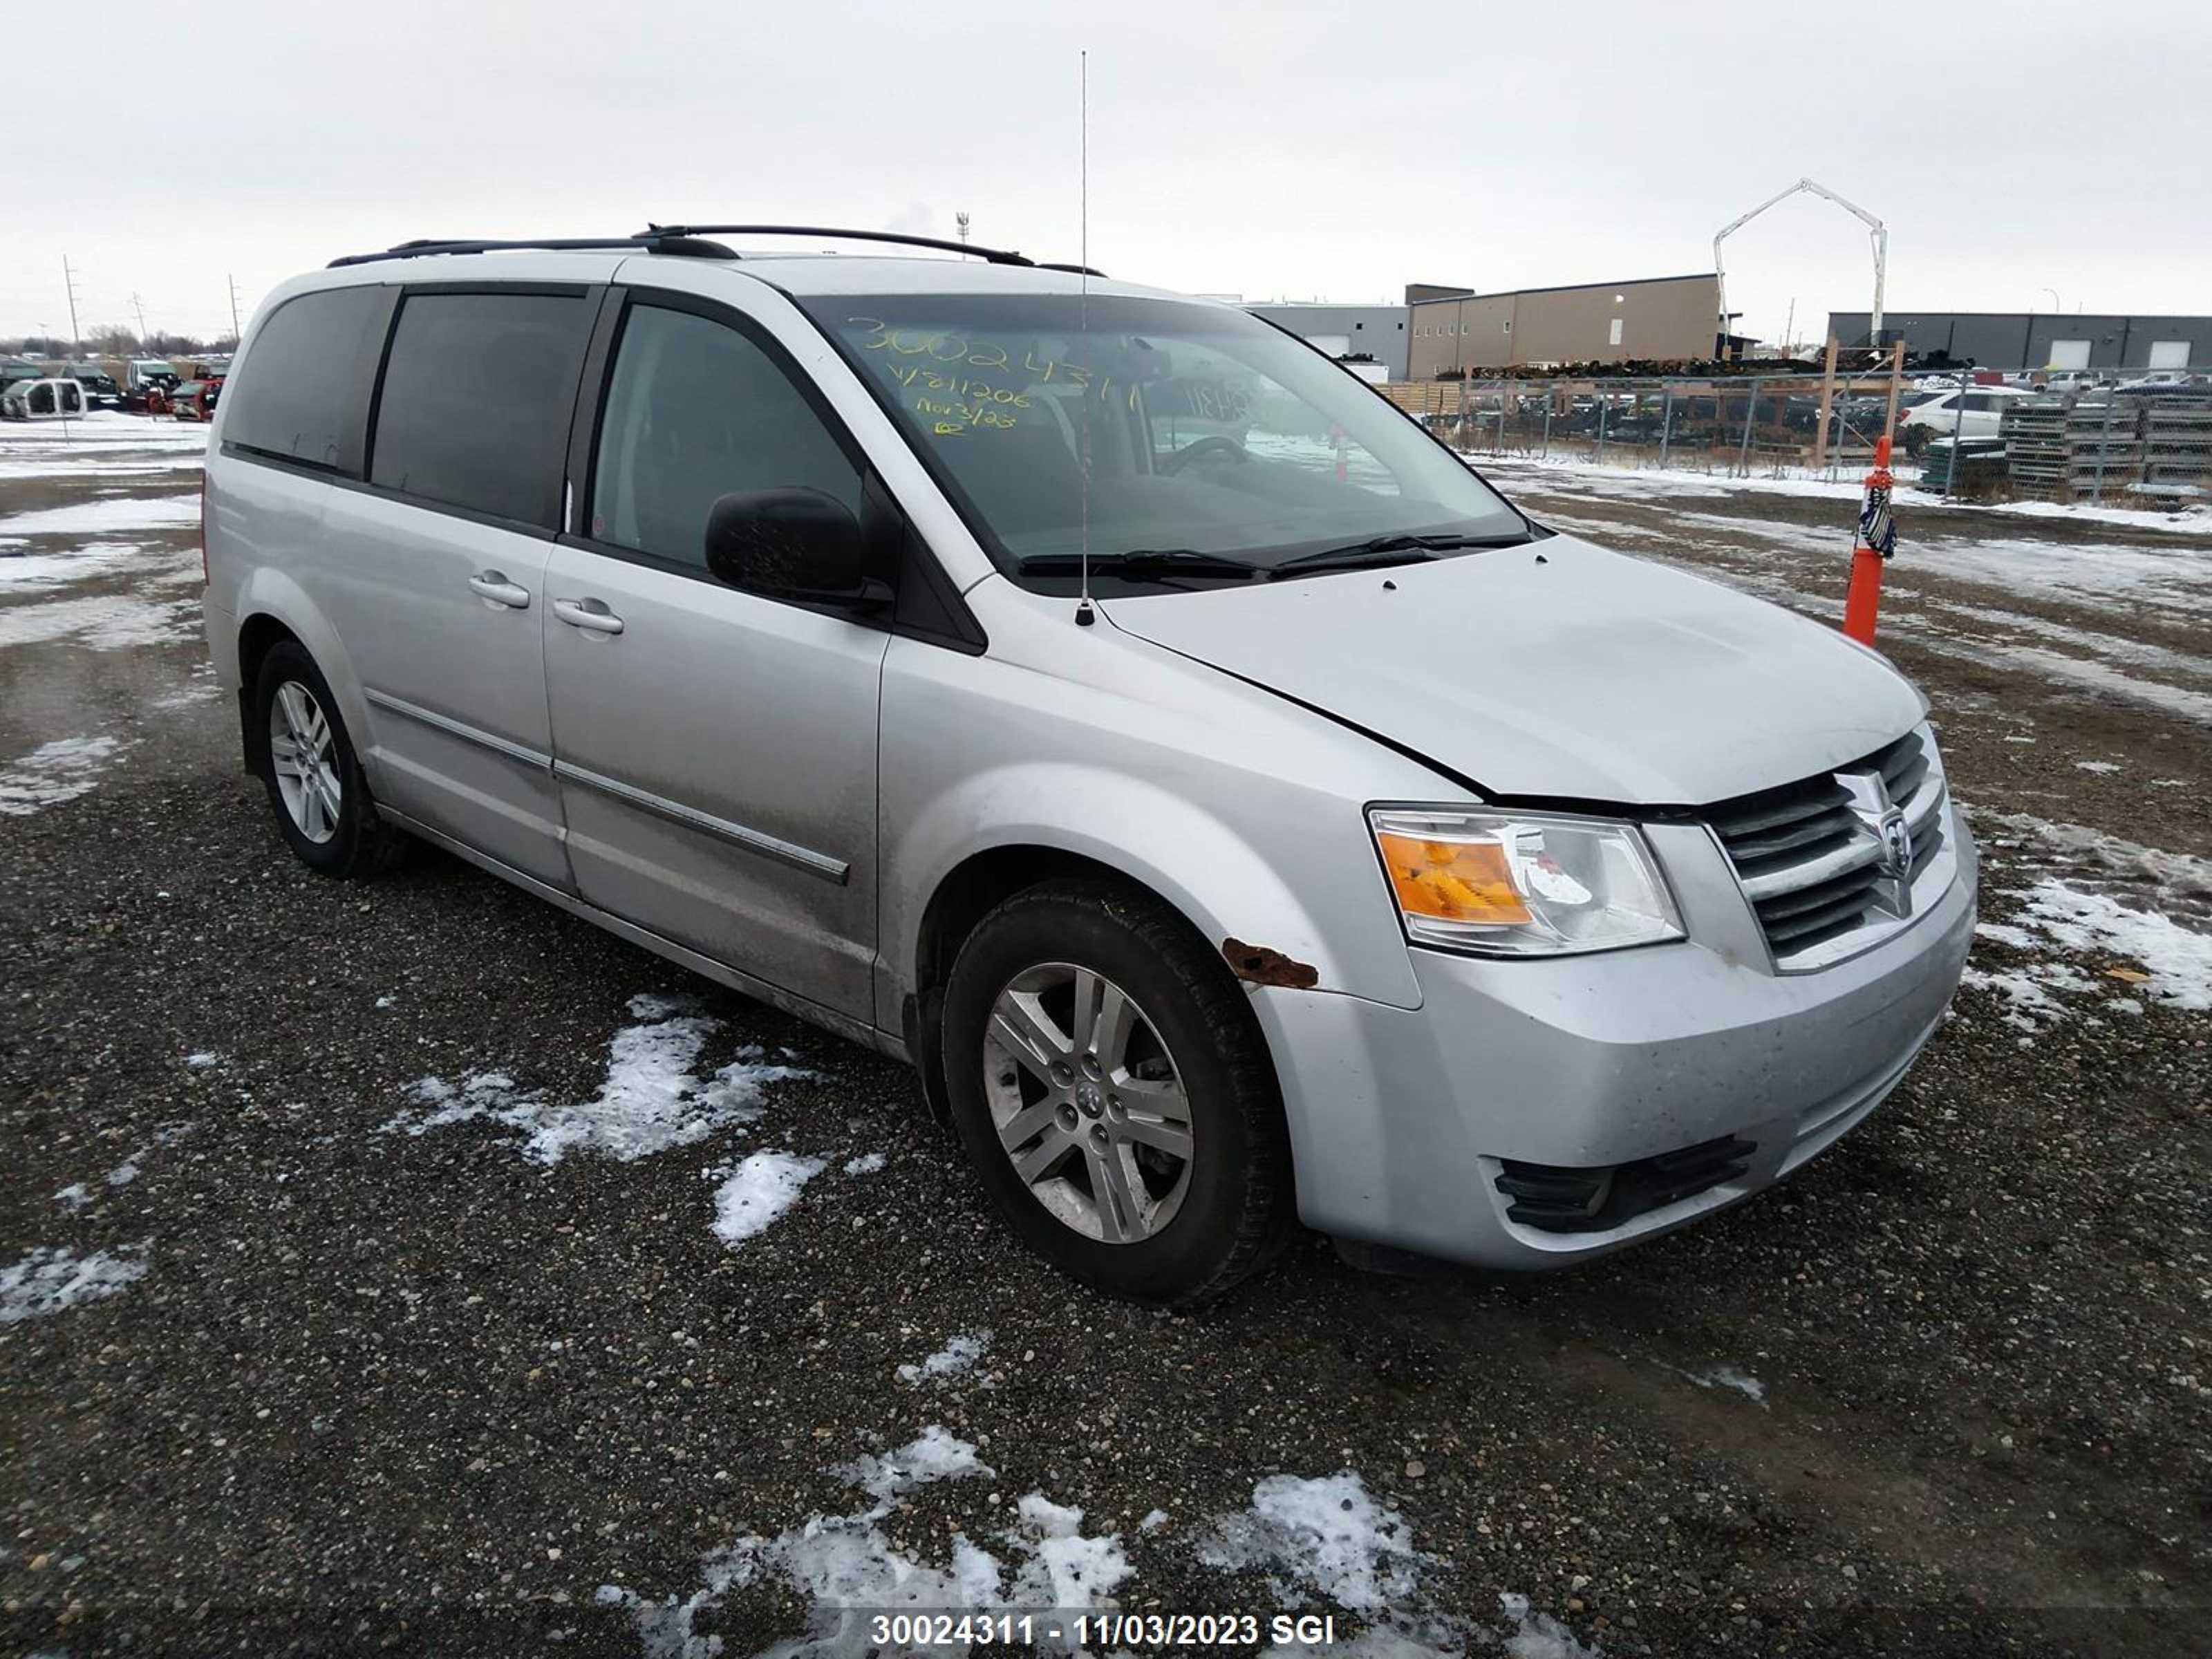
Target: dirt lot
[299, 1349]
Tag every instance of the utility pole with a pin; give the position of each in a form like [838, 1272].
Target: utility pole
[961, 219]
[139, 306]
[235, 331]
[68, 282]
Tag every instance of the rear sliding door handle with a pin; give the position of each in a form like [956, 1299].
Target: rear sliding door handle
[493, 587]
[590, 615]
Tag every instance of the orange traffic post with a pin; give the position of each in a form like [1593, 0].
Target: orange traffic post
[1875, 543]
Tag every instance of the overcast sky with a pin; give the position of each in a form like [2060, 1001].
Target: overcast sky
[1287, 149]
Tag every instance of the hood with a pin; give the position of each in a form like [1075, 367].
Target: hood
[1554, 669]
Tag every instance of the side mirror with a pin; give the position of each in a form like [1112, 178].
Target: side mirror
[794, 543]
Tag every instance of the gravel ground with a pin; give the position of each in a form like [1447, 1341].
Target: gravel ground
[332, 1375]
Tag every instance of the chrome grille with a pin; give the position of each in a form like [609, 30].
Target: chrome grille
[1819, 865]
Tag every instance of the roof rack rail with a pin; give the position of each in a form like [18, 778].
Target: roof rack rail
[1072, 271]
[997, 256]
[650, 242]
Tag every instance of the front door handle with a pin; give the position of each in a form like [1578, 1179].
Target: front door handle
[590, 615]
[493, 587]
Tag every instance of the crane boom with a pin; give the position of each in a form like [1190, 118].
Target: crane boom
[1877, 233]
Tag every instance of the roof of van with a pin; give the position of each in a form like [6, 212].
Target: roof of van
[796, 273]
[846, 273]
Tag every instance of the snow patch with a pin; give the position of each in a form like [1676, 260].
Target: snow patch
[758, 1192]
[2177, 959]
[954, 1357]
[1538, 1635]
[103, 622]
[1327, 1535]
[55, 772]
[1066, 1569]
[35, 571]
[848, 1569]
[866, 1164]
[2176, 882]
[1569, 475]
[102, 431]
[75, 1196]
[2115, 898]
[935, 1455]
[66, 467]
[1727, 1377]
[652, 1100]
[2027, 992]
[48, 1281]
[96, 518]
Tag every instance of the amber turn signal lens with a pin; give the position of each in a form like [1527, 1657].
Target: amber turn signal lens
[1452, 880]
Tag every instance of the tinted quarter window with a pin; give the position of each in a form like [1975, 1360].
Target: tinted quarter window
[476, 395]
[694, 411]
[304, 395]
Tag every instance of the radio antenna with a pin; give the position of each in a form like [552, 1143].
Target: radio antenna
[1084, 614]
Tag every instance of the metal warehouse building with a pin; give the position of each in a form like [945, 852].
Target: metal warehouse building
[2043, 339]
[1663, 318]
[1378, 331]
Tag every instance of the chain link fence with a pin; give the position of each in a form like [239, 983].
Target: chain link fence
[2134, 441]
[1738, 426]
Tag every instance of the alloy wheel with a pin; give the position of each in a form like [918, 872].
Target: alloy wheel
[1088, 1103]
[302, 754]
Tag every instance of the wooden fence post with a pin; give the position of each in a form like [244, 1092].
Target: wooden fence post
[1827, 404]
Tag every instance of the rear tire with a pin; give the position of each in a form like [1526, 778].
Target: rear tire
[1082, 1018]
[306, 761]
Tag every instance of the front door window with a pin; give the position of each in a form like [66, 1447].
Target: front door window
[696, 412]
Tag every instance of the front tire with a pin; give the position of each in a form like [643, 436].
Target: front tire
[1112, 1088]
[307, 760]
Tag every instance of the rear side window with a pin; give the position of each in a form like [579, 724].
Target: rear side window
[478, 390]
[304, 394]
[694, 411]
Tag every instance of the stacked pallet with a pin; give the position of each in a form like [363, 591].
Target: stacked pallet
[2034, 430]
[1423, 396]
[1981, 463]
[2177, 444]
[2103, 446]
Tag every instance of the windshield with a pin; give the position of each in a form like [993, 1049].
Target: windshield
[1206, 431]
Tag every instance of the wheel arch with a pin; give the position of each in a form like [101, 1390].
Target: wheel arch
[257, 635]
[272, 606]
[965, 894]
[1168, 848]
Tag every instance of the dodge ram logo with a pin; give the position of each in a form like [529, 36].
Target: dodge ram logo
[1896, 845]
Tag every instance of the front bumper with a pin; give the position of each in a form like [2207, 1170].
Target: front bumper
[1401, 1120]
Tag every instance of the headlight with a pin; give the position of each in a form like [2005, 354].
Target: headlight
[1521, 883]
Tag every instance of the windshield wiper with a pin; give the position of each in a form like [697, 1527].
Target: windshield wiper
[1389, 549]
[1137, 562]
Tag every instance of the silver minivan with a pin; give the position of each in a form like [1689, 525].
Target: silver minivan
[1237, 812]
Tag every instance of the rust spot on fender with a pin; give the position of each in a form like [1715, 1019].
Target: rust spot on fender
[1264, 965]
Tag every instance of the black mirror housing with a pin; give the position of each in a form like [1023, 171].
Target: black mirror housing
[794, 543]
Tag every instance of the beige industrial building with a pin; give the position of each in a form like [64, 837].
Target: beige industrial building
[1661, 318]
